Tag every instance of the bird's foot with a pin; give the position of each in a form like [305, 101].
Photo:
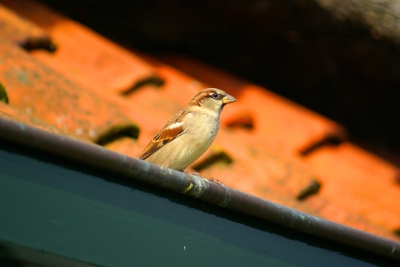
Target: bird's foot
[209, 179]
[218, 182]
[192, 173]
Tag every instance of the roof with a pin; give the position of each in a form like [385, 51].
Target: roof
[62, 77]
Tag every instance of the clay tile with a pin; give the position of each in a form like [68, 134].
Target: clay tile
[275, 118]
[22, 32]
[358, 182]
[45, 94]
[84, 53]
[15, 114]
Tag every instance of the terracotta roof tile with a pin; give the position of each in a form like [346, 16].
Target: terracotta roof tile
[83, 54]
[268, 146]
[20, 31]
[359, 182]
[275, 118]
[47, 95]
[16, 114]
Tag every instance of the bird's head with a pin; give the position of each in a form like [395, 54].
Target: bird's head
[212, 98]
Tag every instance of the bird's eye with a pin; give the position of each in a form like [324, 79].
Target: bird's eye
[214, 95]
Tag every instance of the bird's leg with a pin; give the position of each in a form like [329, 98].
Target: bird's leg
[192, 173]
[214, 180]
[210, 179]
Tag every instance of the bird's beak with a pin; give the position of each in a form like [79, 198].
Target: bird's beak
[228, 99]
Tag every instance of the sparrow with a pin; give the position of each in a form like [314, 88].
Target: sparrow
[189, 133]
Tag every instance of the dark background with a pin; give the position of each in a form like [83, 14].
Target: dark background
[337, 66]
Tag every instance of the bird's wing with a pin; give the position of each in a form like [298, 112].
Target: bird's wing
[172, 130]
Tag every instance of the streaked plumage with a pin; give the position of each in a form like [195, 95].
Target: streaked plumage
[189, 133]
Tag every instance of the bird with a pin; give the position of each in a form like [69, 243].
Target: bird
[190, 132]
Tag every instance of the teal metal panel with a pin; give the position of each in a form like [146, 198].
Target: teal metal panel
[65, 209]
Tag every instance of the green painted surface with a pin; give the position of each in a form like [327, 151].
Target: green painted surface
[65, 209]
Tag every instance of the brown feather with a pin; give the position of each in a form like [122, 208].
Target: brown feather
[165, 135]
[197, 99]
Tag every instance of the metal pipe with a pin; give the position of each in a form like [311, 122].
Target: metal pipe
[195, 186]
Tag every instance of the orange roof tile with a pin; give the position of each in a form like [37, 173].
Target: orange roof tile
[83, 54]
[47, 95]
[19, 31]
[275, 118]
